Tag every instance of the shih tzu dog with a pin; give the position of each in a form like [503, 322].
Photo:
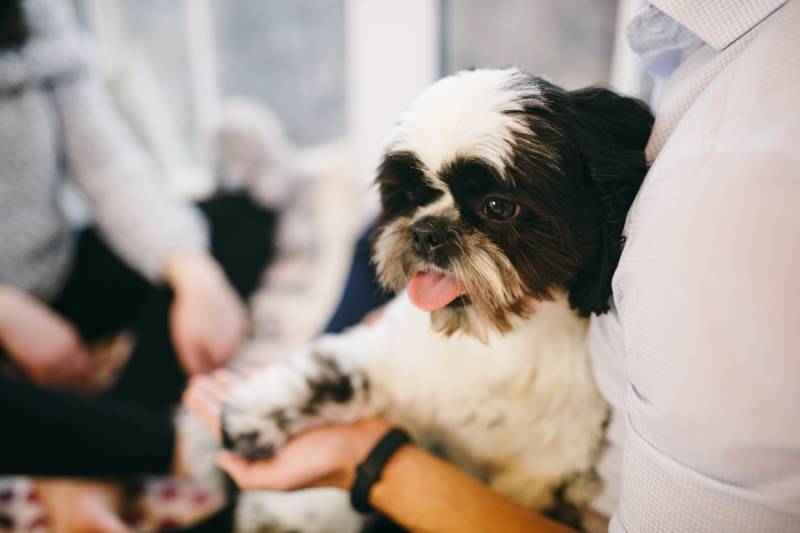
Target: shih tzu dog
[503, 203]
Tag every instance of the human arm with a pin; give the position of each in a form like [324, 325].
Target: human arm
[425, 493]
[44, 345]
[129, 202]
[207, 319]
[164, 238]
[416, 489]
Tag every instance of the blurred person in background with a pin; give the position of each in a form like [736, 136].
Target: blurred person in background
[698, 357]
[172, 273]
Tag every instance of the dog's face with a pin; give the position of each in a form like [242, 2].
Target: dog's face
[499, 189]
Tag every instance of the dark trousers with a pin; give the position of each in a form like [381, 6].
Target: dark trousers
[128, 430]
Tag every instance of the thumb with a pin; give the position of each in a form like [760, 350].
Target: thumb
[194, 358]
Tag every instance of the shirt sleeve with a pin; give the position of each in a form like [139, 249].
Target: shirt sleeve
[711, 319]
[135, 214]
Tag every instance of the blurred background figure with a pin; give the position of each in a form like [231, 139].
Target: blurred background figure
[171, 274]
[191, 75]
[289, 102]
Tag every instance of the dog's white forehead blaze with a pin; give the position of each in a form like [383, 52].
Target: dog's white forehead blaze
[464, 114]
[445, 204]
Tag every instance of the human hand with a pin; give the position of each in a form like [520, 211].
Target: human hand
[325, 456]
[205, 394]
[47, 347]
[207, 319]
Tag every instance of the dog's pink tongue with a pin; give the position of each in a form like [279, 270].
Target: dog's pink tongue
[430, 291]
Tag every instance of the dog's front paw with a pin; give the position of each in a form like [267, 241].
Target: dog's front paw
[256, 418]
[262, 413]
[250, 434]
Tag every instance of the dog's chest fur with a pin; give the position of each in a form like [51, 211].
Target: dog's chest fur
[520, 410]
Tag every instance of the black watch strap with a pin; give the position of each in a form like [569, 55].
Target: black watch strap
[369, 472]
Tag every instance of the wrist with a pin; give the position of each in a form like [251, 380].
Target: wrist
[363, 436]
[370, 470]
[186, 270]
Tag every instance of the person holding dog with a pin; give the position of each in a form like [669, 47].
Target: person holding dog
[698, 357]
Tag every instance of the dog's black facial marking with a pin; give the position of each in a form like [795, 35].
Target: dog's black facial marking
[529, 238]
[471, 181]
[549, 218]
[402, 184]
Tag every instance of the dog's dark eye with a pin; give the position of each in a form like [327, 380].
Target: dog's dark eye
[412, 196]
[499, 209]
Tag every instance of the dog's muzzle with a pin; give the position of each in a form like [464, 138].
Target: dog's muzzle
[431, 238]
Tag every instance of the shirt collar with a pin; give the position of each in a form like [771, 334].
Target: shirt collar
[718, 22]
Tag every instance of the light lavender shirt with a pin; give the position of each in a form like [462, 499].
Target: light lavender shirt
[701, 358]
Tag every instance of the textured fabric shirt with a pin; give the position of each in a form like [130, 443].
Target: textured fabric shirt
[700, 358]
[56, 121]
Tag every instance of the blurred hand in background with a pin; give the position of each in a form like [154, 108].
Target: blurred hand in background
[45, 345]
[207, 320]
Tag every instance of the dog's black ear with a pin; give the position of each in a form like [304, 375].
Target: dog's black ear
[612, 132]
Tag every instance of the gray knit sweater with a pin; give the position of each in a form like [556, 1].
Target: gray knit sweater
[57, 123]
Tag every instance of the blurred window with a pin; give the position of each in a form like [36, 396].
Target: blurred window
[156, 29]
[289, 54]
[570, 43]
[184, 57]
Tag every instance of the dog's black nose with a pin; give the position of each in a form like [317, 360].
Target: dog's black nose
[429, 233]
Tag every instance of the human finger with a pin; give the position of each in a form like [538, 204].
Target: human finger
[278, 473]
[211, 387]
[246, 475]
[189, 356]
[225, 379]
[204, 403]
[197, 358]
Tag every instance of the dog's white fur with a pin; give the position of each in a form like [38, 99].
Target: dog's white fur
[519, 410]
[474, 108]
